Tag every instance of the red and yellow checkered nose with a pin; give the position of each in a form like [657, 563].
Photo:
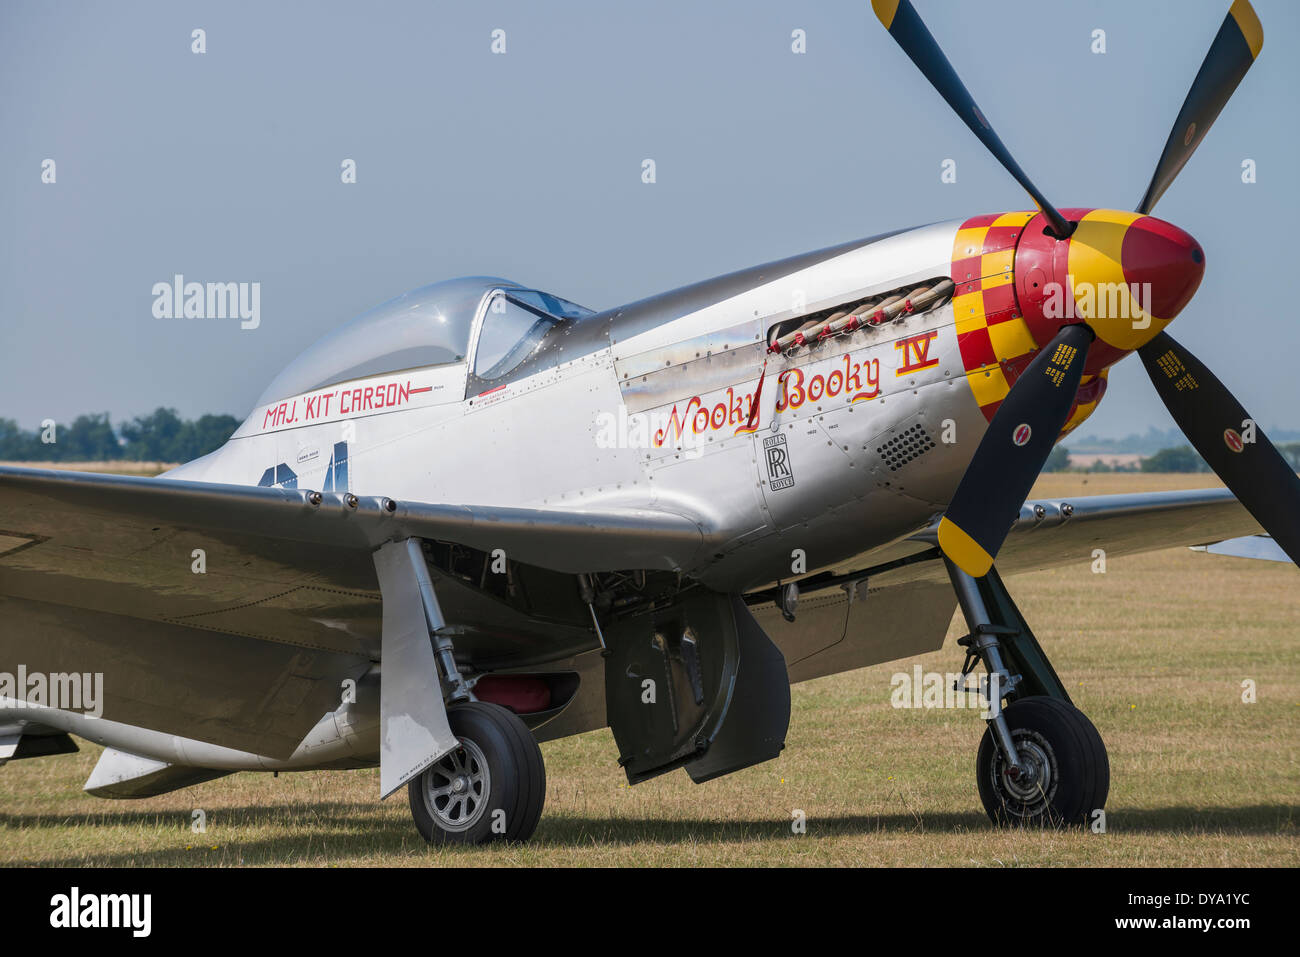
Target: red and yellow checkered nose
[1126, 275]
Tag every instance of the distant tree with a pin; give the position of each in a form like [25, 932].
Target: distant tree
[90, 437]
[1099, 465]
[1291, 452]
[210, 433]
[161, 436]
[1180, 459]
[156, 437]
[15, 444]
[1058, 461]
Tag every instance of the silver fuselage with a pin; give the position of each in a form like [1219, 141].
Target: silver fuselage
[586, 431]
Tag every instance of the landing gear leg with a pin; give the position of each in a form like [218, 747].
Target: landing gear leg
[480, 775]
[1041, 761]
[492, 786]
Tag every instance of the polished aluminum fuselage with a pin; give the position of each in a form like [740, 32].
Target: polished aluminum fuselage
[650, 413]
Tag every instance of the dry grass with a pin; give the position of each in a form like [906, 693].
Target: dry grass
[1053, 484]
[117, 467]
[1154, 651]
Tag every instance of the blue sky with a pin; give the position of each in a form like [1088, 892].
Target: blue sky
[225, 166]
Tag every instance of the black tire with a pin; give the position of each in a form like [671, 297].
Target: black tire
[1061, 741]
[504, 781]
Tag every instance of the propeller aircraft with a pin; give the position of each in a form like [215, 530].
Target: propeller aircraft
[480, 516]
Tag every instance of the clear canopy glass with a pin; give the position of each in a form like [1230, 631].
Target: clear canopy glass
[516, 327]
[424, 327]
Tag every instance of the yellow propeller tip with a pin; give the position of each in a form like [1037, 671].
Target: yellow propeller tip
[964, 552]
[1252, 31]
[885, 10]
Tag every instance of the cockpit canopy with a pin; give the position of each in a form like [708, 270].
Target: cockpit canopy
[428, 326]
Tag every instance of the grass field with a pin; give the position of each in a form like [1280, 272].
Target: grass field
[123, 467]
[1154, 651]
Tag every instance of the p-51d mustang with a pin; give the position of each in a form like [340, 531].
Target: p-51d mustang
[481, 516]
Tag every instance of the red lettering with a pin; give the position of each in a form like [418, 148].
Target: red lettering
[916, 353]
[872, 369]
[851, 380]
[676, 426]
[790, 398]
[735, 416]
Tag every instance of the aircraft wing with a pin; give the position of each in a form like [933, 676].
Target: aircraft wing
[231, 614]
[1067, 530]
[1051, 532]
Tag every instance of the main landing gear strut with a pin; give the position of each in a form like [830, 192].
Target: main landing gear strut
[1041, 761]
[472, 768]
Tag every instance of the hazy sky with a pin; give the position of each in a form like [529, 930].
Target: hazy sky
[225, 166]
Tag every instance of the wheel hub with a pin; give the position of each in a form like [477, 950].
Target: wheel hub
[1027, 793]
[457, 787]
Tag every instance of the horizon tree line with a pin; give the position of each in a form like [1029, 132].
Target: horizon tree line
[160, 436]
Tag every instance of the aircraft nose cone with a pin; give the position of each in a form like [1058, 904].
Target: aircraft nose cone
[1165, 262]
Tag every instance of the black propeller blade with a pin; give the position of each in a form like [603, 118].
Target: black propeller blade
[1233, 51]
[910, 33]
[1214, 421]
[1012, 452]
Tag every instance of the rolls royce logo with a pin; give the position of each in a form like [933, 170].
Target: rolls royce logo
[1232, 439]
[777, 455]
[1022, 433]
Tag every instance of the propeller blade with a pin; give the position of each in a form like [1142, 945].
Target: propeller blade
[910, 33]
[1012, 452]
[1233, 51]
[1214, 421]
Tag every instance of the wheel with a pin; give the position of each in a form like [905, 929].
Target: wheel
[490, 788]
[1071, 771]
